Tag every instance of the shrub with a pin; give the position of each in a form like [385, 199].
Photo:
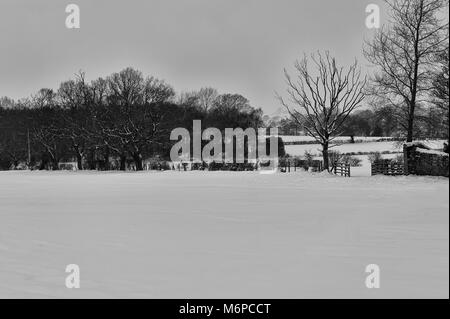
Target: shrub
[398, 159]
[309, 158]
[234, 167]
[375, 157]
[336, 156]
[352, 161]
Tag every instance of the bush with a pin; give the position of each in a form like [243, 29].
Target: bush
[375, 157]
[352, 161]
[235, 167]
[336, 156]
[5, 164]
[398, 159]
[154, 164]
[309, 158]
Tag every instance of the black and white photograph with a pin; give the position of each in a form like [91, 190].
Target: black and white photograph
[224, 150]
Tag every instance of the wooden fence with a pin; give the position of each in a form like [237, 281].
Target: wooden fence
[341, 169]
[387, 167]
[292, 165]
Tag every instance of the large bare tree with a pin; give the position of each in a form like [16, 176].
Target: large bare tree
[203, 100]
[404, 51]
[441, 90]
[207, 97]
[76, 98]
[321, 101]
[131, 123]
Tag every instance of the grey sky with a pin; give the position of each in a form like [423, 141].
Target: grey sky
[236, 46]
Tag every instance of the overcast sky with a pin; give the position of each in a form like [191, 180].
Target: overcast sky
[236, 46]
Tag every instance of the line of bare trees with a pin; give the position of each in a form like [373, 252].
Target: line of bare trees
[410, 81]
[408, 54]
[109, 123]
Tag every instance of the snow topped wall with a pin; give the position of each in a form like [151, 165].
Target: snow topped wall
[420, 160]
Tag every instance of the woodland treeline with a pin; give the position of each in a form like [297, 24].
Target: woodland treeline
[110, 122]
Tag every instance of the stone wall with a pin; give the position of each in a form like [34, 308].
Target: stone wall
[420, 160]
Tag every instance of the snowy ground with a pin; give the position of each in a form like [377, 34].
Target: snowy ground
[366, 147]
[222, 234]
[340, 139]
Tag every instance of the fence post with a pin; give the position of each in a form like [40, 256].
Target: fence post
[405, 160]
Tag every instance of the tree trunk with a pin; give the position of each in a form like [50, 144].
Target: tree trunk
[79, 154]
[412, 104]
[326, 164]
[43, 164]
[410, 134]
[137, 157]
[123, 160]
[79, 161]
[91, 159]
[106, 156]
[55, 163]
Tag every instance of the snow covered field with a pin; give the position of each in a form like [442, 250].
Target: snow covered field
[341, 139]
[222, 234]
[366, 147]
[396, 148]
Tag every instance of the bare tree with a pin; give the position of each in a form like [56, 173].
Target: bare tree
[128, 87]
[99, 91]
[207, 98]
[325, 99]
[189, 99]
[440, 93]
[75, 98]
[130, 122]
[6, 102]
[156, 91]
[44, 98]
[13, 136]
[46, 132]
[404, 52]
[203, 100]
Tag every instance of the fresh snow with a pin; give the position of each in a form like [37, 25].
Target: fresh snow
[302, 138]
[222, 235]
[367, 147]
[422, 150]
